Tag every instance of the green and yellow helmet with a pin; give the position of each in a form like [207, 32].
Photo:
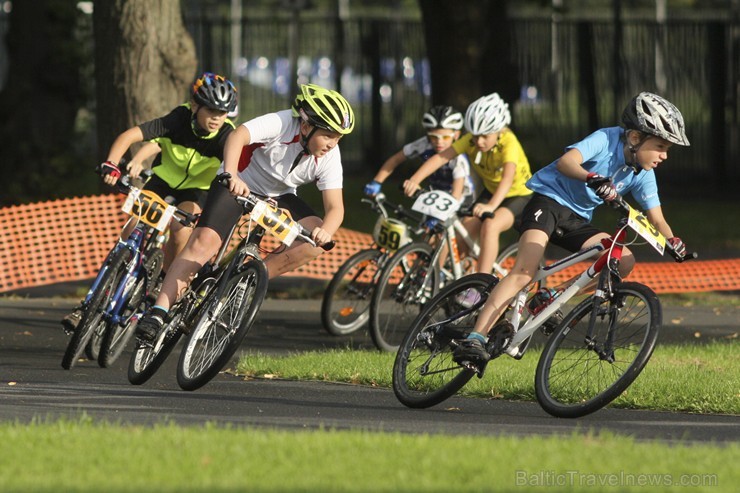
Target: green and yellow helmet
[324, 108]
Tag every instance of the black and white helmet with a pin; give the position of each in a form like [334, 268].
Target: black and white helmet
[442, 117]
[654, 115]
[487, 115]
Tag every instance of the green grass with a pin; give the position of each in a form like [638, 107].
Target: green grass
[687, 378]
[84, 456]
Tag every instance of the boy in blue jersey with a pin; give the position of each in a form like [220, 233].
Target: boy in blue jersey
[610, 161]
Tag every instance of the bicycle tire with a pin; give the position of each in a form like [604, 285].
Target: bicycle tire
[94, 311]
[572, 380]
[406, 282]
[208, 347]
[345, 307]
[424, 373]
[147, 358]
[116, 338]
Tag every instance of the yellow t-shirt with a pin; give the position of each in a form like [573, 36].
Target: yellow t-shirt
[490, 166]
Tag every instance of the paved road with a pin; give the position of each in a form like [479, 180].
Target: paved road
[33, 384]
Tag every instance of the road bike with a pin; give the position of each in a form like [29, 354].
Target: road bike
[220, 305]
[128, 275]
[345, 307]
[417, 271]
[596, 351]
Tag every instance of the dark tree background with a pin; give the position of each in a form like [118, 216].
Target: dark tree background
[144, 63]
[468, 45]
[40, 101]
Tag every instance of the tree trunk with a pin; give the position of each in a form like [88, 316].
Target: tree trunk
[40, 100]
[144, 63]
[469, 49]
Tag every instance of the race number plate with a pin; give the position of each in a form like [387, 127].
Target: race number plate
[390, 234]
[149, 207]
[642, 226]
[440, 205]
[276, 221]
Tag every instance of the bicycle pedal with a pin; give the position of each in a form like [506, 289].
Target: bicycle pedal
[499, 338]
[469, 365]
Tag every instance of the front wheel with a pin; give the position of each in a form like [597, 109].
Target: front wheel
[346, 304]
[408, 281]
[424, 373]
[221, 326]
[94, 317]
[579, 373]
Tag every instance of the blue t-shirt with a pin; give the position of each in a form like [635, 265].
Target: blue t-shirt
[603, 153]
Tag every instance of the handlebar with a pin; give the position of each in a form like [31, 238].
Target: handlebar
[621, 205]
[250, 201]
[124, 186]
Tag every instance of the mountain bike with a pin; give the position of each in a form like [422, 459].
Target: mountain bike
[220, 305]
[416, 272]
[596, 351]
[128, 274]
[346, 302]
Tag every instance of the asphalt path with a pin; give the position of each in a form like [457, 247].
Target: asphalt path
[33, 385]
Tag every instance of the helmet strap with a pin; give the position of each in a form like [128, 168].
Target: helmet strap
[632, 162]
[304, 145]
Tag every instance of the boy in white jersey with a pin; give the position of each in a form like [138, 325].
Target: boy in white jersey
[271, 156]
[610, 161]
[442, 124]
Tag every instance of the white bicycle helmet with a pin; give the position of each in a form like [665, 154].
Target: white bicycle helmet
[442, 117]
[487, 115]
[654, 115]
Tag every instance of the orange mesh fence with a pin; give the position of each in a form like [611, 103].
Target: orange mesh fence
[67, 240]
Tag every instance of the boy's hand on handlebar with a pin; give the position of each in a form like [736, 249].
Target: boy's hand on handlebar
[237, 187]
[679, 247]
[410, 188]
[373, 188]
[134, 168]
[320, 237]
[602, 185]
[480, 209]
[109, 172]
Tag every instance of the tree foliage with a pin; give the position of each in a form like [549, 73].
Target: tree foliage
[468, 46]
[40, 102]
[144, 62]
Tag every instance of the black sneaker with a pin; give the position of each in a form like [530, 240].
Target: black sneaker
[150, 325]
[72, 320]
[471, 351]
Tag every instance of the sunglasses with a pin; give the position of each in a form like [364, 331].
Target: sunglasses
[440, 136]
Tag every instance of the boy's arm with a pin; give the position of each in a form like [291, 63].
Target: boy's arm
[431, 165]
[458, 187]
[334, 215]
[232, 152]
[145, 152]
[570, 163]
[389, 166]
[116, 152]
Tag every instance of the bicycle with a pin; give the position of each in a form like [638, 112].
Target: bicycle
[220, 306]
[128, 274]
[415, 273]
[346, 302]
[589, 359]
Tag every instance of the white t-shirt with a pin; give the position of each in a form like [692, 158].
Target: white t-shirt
[265, 163]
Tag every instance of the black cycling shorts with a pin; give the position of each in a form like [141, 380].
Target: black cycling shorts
[222, 212]
[514, 204]
[161, 188]
[564, 227]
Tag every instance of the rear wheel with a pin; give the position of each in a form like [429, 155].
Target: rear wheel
[221, 326]
[93, 317]
[578, 374]
[407, 282]
[424, 373]
[346, 304]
